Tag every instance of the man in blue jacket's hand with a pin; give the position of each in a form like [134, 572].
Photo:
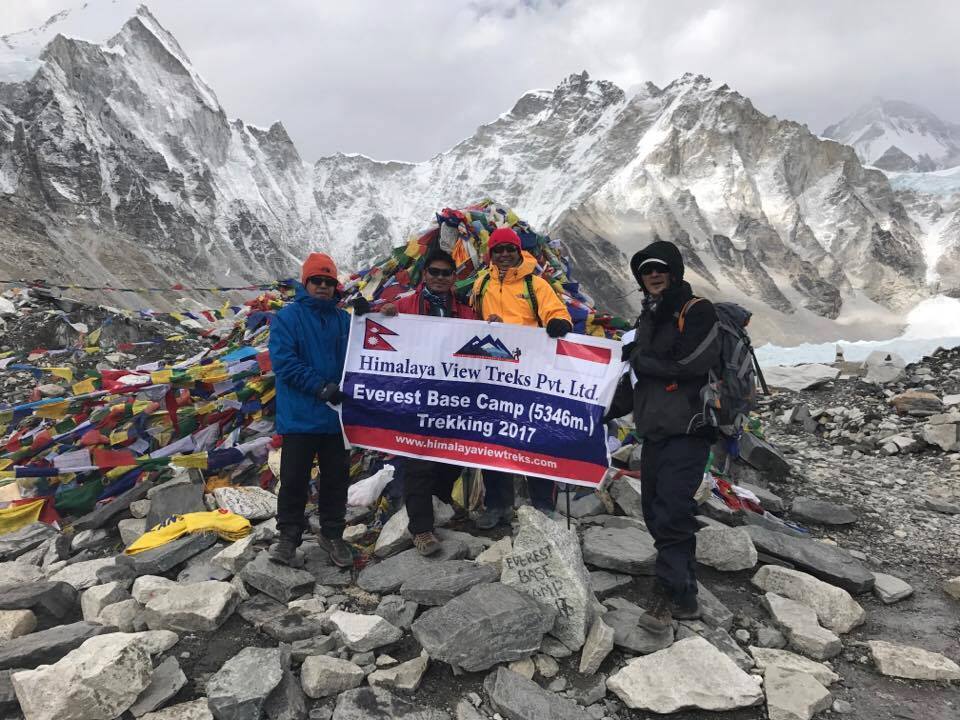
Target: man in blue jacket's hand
[308, 345]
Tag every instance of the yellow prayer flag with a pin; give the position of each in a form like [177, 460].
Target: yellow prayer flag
[177, 316]
[53, 411]
[269, 395]
[62, 372]
[116, 472]
[94, 337]
[140, 405]
[118, 436]
[5, 463]
[84, 386]
[194, 460]
[161, 377]
[174, 338]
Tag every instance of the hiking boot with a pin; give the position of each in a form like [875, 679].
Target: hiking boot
[285, 551]
[340, 552]
[687, 609]
[426, 543]
[459, 514]
[491, 517]
[661, 608]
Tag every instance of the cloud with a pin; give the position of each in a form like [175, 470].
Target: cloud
[407, 80]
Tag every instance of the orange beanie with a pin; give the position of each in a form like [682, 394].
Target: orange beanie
[318, 264]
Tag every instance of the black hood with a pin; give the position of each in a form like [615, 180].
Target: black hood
[664, 251]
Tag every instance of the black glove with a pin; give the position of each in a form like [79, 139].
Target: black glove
[332, 394]
[558, 327]
[361, 306]
[627, 350]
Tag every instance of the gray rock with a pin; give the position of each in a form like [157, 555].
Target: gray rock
[719, 638]
[582, 507]
[941, 506]
[823, 561]
[16, 543]
[166, 557]
[139, 509]
[768, 637]
[178, 496]
[82, 575]
[292, 625]
[800, 377]
[254, 503]
[598, 645]
[8, 697]
[589, 691]
[287, 701]
[388, 575]
[913, 663]
[109, 513]
[88, 539]
[946, 437]
[821, 512]
[834, 607]
[278, 581]
[641, 634]
[799, 623]
[166, 681]
[769, 500]
[235, 556]
[689, 674]
[131, 529]
[619, 522]
[16, 623]
[713, 612]
[125, 616]
[99, 679]
[242, 685]
[395, 537]
[488, 624]
[439, 583]
[605, 583]
[554, 648]
[404, 677]
[766, 658]
[51, 602]
[763, 456]
[794, 695]
[725, 548]
[367, 703]
[625, 491]
[47, 646]
[260, 609]
[201, 567]
[476, 544]
[625, 550]
[317, 645]
[95, 599]
[770, 522]
[517, 698]
[322, 676]
[363, 632]
[147, 587]
[495, 554]
[546, 564]
[200, 607]
[193, 710]
[890, 589]
[397, 611]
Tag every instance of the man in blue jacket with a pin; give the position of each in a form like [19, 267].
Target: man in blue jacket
[308, 345]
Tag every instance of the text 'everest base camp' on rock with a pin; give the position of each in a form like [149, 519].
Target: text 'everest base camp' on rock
[151, 566]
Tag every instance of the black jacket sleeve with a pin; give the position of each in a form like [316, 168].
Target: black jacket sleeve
[696, 350]
[622, 402]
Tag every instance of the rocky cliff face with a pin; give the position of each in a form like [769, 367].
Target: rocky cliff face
[118, 163]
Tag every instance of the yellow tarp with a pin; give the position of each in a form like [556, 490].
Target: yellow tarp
[225, 524]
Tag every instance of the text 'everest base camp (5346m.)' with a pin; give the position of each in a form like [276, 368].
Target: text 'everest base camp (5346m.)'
[637, 401]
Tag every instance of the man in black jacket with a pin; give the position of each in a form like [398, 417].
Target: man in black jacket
[675, 346]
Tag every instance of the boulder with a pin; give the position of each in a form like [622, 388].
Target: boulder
[546, 564]
[821, 512]
[397, 611]
[488, 624]
[254, 503]
[131, 529]
[47, 646]
[763, 456]
[367, 703]
[148, 587]
[835, 608]
[361, 633]
[598, 645]
[691, 673]
[726, 548]
[918, 403]
[638, 632]
[582, 507]
[883, 367]
[201, 567]
[800, 377]
[235, 556]
[890, 589]
[292, 625]
[139, 509]
[177, 496]
[193, 710]
[794, 695]
[82, 575]
[166, 557]
[404, 677]
[98, 680]
[16, 543]
[287, 701]
[125, 616]
[518, 698]
[625, 492]
[387, 576]
[241, 686]
[165, 682]
[395, 537]
[823, 561]
[51, 602]
[439, 583]
[95, 599]
[16, 623]
[200, 607]
[799, 623]
[626, 550]
[322, 676]
[278, 581]
[913, 663]
[20, 573]
[946, 437]
[765, 658]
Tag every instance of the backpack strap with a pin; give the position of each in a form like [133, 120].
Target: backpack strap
[682, 318]
[478, 296]
[532, 299]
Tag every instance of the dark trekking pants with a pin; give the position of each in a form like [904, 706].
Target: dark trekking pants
[423, 479]
[671, 470]
[296, 461]
[499, 491]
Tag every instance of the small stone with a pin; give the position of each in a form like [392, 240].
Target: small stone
[768, 637]
[518, 698]
[363, 632]
[397, 611]
[95, 599]
[354, 533]
[842, 707]
[799, 624]
[890, 589]
[726, 548]
[598, 645]
[557, 685]
[193, 710]
[525, 667]
[148, 587]
[913, 663]
[131, 529]
[126, 616]
[322, 676]
[166, 681]
[404, 677]
[82, 575]
[366, 703]
[742, 636]
[554, 648]
[794, 695]
[140, 508]
[16, 623]
[239, 689]
[813, 510]
[786, 660]
[546, 665]
[835, 608]
[952, 587]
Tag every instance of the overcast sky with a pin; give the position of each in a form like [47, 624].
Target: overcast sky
[406, 79]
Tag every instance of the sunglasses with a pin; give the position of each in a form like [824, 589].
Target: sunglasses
[654, 268]
[500, 249]
[439, 272]
[322, 281]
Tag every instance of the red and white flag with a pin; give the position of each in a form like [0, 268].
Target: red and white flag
[373, 337]
[581, 358]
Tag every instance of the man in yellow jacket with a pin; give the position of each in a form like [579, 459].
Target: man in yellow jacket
[511, 293]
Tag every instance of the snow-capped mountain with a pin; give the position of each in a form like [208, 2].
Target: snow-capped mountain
[899, 136]
[118, 164]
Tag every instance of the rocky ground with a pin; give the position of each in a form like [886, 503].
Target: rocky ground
[843, 598]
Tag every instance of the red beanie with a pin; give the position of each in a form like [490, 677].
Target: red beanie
[318, 264]
[503, 236]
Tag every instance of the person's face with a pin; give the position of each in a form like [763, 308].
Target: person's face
[505, 256]
[321, 287]
[656, 278]
[438, 277]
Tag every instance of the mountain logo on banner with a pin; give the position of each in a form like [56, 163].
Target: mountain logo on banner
[488, 348]
[373, 337]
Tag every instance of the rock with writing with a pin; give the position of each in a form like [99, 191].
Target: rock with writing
[253, 503]
[547, 565]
